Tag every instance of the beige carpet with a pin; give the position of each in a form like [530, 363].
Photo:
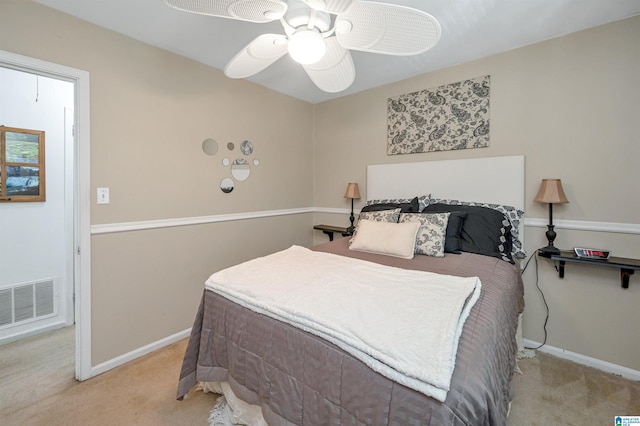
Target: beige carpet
[37, 388]
[553, 391]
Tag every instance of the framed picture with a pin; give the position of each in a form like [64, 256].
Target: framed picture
[22, 166]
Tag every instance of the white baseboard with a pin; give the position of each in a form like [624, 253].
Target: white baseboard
[137, 353]
[608, 367]
[605, 366]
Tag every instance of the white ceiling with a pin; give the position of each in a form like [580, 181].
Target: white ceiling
[471, 29]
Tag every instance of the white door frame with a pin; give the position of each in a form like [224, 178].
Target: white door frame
[82, 197]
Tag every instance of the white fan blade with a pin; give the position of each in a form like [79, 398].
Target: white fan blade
[243, 10]
[386, 28]
[335, 71]
[263, 51]
[331, 6]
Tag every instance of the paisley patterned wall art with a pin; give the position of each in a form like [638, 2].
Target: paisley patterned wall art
[454, 116]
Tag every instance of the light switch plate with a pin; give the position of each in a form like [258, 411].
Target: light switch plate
[103, 195]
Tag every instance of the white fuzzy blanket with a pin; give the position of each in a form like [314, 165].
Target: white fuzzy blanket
[404, 324]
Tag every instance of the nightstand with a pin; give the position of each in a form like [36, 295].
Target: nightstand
[329, 230]
[626, 266]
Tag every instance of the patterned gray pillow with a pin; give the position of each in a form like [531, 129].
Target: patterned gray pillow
[513, 214]
[431, 235]
[377, 216]
[423, 201]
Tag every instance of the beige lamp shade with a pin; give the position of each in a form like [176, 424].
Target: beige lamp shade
[551, 192]
[353, 191]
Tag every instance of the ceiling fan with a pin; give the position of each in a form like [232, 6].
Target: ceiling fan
[318, 34]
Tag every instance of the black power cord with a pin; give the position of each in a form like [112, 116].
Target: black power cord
[544, 300]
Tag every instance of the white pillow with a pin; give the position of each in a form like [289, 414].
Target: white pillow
[393, 239]
[379, 216]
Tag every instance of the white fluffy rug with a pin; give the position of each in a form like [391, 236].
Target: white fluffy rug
[229, 410]
[220, 414]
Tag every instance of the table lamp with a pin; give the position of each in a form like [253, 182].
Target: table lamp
[354, 194]
[550, 192]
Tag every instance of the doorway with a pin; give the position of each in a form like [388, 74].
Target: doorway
[36, 252]
[77, 242]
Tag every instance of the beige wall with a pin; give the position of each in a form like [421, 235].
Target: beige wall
[153, 279]
[570, 105]
[150, 112]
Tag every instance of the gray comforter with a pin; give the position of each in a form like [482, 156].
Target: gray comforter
[301, 379]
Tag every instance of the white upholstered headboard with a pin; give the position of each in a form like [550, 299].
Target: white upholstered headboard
[498, 180]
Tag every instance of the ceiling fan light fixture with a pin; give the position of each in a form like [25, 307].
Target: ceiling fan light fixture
[306, 46]
[319, 34]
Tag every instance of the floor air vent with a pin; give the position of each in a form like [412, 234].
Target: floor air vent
[26, 302]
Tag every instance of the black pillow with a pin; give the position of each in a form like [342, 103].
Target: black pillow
[484, 231]
[453, 238]
[411, 207]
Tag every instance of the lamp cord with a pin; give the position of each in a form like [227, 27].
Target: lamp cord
[544, 300]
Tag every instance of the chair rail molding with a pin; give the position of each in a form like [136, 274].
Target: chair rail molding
[580, 225]
[107, 228]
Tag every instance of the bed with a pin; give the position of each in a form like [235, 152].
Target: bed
[279, 371]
